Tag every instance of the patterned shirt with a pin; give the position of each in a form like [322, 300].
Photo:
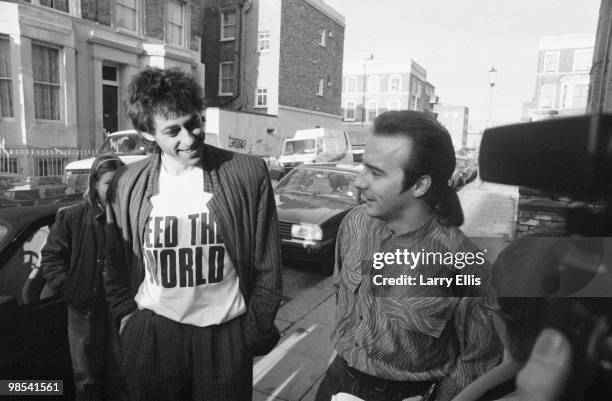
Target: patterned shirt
[410, 333]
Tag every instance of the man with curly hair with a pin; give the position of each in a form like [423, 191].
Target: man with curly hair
[197, 283]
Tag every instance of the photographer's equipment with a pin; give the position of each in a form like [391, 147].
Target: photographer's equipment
[571, 157]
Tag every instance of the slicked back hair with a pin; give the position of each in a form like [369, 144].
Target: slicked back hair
[432, 154]
[169, 92]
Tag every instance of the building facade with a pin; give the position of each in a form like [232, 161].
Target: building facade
[280, 58]
[455, 119]
[371, 87]
[562, 78]
[65, 67]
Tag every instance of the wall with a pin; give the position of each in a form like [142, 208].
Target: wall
[303, 61]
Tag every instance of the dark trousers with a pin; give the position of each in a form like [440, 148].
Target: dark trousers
[165, 360]
[340, 378]
[94, 349]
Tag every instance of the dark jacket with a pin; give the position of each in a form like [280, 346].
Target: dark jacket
[243, 206]
[72, 260]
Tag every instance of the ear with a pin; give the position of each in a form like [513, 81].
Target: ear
[147, 136]
[422, 185]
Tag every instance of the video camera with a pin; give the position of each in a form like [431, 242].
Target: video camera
[570, 156]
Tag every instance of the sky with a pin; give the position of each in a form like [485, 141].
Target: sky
[457, 42]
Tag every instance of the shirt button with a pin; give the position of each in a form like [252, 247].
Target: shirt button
[356, 344]
[360, 317]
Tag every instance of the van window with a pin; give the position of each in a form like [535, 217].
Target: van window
[299, 147]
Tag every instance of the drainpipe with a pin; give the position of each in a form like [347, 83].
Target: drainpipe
[243, 11]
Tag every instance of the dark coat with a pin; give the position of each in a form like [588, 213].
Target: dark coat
[243, 206]
[72, 260]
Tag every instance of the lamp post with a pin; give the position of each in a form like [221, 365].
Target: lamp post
[492, 78]
[363, 100]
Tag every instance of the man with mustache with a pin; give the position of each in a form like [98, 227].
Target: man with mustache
[394, 342]
[194, 269]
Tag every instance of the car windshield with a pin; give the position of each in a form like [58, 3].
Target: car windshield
[323, 183]
[125, 144]
[299, 147]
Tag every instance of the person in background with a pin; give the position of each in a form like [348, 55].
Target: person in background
[397, 342]
[73, 264]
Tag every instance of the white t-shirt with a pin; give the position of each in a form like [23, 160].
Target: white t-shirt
[189, 277]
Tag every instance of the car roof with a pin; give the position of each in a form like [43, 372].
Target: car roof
[344, 166]
[124, 132]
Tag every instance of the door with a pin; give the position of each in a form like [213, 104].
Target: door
[110, 107]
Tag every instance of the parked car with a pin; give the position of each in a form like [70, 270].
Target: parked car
[33, 322]
[467, 165]
[276, 171]
[311, 201]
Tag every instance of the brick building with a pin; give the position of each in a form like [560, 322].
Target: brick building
[600, 91]
[562, 78]
[279, 58]
[455, 119]
[371, 87]
[65, 66]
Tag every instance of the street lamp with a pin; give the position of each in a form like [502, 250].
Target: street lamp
[363, 100]
[492, 78]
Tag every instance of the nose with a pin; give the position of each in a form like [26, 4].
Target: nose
[360, 181]
[187, 137]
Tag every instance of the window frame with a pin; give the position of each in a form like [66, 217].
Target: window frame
[399, 83]
[221, 78]
[552, 97]
[183, 26]
[52, 6]
[585, 97]
[323, 38]
[222, 37]
[57, 86]
[8, 78]
[263, 93]
[369, 109]
[320, 87]
[588, 65]
[547, 54]
[120, 3]
[353, 109]
[261, 39]
[349, 80]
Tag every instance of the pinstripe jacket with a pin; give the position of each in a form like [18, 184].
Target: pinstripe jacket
[244, 208]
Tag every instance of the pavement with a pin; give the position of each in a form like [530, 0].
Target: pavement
[293, 370]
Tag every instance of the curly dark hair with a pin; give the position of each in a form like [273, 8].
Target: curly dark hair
[169, 92]
[433, 154]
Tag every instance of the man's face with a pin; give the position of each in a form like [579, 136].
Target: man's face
[179, 137]
[381, 179]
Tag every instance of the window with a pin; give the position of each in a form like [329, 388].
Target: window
[45, 66]
[350, 111]
[6, 82]
[8, 165]
[372, 111]
[547, 95]
[551, 62]
[322, 40]
[373, 83]
[264, 41]
[579, 100]
[583, 60]
[351, 84]
[228, 25]
[393, 105]
[262, 97]
[395, 83]
[125, 14]
[61, 5]
[174, 26]
[226, 78]
[320, 87]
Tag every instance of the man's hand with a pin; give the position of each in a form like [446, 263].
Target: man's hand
[546, 371]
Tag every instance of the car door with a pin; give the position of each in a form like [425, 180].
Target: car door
[33, 322]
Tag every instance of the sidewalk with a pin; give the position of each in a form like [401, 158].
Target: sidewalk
[293, 370]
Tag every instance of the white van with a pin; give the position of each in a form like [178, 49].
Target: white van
[316, 145]
[129, 145]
